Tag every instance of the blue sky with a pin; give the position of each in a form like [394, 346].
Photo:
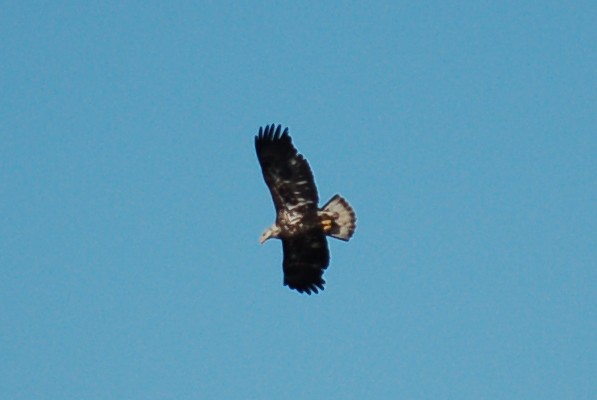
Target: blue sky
[464, 135]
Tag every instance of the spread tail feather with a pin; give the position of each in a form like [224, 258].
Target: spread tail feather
[343, 218]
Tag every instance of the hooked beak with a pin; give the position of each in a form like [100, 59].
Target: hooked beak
[266, 235]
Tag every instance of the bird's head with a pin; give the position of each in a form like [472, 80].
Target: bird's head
[270, 232]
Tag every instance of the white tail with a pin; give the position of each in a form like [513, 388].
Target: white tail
[343, 218]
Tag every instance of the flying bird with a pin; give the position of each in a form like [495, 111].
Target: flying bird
[300, 224]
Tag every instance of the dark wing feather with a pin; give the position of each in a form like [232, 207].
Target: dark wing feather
[286, 173]
[305, 259]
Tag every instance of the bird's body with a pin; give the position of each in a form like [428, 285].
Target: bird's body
[300, 223]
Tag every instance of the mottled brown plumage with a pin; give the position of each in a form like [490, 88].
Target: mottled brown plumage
[300, 224]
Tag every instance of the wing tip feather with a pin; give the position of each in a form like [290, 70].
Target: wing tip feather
[310, 288]
[272, 133]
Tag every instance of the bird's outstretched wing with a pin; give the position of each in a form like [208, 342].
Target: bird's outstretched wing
[305, 259]
[286, 172]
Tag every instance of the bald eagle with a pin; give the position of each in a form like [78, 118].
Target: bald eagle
[300, 223]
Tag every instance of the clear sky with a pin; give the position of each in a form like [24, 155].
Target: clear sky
[464, 135]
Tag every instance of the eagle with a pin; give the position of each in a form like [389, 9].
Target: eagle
[300, 224]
